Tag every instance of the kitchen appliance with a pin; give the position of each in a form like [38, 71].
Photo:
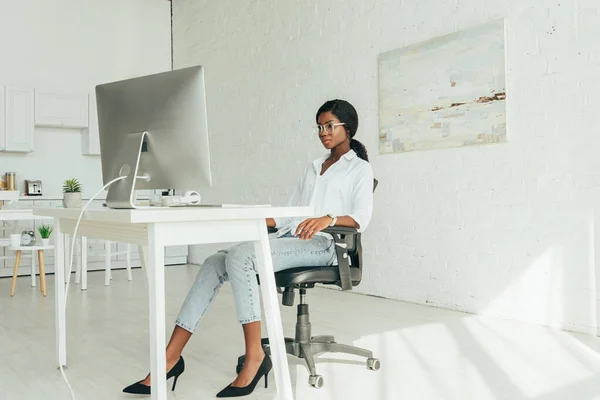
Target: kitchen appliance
[10, 181]
[33, 187]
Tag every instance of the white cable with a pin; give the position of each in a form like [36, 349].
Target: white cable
[144, 177]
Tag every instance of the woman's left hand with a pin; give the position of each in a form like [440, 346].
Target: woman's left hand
[309, 227]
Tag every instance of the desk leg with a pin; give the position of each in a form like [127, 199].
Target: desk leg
[84, 263]
[268, 289]
[67, 256]
[77, 261]
[59, 295]
[156, 290]
[107, 266]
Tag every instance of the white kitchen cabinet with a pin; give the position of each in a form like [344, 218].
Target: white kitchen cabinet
[90, 137]
[176, 251]
[19, 126]
[61, 110]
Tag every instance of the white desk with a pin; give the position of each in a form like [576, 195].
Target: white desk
[153, 229]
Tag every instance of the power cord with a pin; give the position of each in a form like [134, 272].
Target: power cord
[144, 177]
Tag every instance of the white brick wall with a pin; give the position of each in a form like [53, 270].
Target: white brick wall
[504, 230]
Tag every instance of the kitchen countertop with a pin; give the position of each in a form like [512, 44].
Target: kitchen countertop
[8, 195]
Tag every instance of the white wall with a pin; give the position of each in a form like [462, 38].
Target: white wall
[75, 45]
[505, 230]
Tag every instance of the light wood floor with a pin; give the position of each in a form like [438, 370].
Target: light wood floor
[426, 353]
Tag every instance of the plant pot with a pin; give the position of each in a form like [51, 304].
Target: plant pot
[72, 200]
[46, 242]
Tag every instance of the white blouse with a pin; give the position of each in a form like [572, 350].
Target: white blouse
[346, 188]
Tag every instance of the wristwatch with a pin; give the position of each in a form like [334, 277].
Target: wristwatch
[333, 219]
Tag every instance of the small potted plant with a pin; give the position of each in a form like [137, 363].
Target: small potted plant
[72, 193]
[45, 232]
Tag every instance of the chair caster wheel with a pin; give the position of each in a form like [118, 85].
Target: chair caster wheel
[373, 364]
[316, 381]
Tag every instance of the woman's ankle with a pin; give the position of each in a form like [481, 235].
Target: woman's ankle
[255, 354]
[173, 357]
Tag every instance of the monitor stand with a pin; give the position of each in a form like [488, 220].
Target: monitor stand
[121, 194]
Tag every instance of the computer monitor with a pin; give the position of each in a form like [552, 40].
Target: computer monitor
[156, 126]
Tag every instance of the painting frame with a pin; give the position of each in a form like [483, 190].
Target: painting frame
[445, 92]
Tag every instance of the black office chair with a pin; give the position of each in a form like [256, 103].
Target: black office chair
[346, 275]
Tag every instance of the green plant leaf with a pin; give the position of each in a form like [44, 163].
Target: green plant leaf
[71, 186]
[45, 231]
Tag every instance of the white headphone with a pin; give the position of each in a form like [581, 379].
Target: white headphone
[190, 197]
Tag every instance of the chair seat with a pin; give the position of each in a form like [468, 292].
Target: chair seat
[312, 275]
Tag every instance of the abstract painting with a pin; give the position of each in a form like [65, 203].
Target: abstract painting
[446, 92]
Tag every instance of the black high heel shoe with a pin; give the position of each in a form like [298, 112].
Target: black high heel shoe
[263, 370]
[139, 388]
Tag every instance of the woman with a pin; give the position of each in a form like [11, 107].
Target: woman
[339, 187]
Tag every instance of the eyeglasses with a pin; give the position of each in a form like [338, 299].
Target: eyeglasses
[329, 127]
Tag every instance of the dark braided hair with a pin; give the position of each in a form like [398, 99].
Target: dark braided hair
[347, 114]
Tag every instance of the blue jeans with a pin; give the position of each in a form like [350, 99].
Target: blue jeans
[238, 266]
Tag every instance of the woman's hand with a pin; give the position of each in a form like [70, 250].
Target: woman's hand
[309, 227]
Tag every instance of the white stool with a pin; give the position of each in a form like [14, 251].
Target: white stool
[108, 264]
[81, 266]
[33, 249]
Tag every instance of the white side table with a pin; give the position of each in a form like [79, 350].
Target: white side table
[40, 253]
[15, 216]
